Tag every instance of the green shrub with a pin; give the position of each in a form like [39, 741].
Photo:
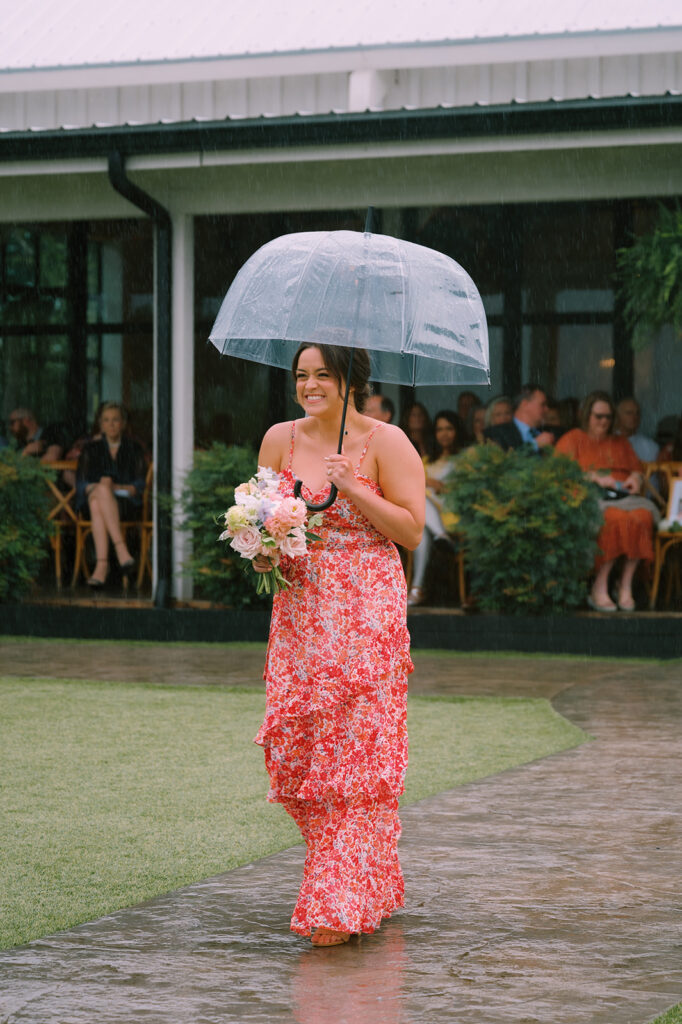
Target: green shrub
[24, 528]
[529, 525]
[217, 570]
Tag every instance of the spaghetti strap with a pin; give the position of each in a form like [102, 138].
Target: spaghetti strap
[364, 450]
[291, 446]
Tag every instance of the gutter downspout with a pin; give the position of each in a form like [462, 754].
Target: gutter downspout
[162, 368]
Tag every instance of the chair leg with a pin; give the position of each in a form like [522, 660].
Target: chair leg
[57, 546]
[658, 563]
[461, 578]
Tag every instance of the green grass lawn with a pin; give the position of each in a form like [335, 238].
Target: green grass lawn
[113, 793]
[671, 1016]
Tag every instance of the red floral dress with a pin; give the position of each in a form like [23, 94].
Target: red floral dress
[335, 732]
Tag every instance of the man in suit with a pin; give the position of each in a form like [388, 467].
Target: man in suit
[530, 407]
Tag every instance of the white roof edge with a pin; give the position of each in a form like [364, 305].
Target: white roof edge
[474, 51]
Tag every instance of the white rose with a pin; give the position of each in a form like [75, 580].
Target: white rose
[294, 545]
[247, 542]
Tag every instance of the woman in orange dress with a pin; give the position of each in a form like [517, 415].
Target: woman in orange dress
[610, 461]
[334, 734]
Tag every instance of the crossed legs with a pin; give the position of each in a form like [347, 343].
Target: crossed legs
[106, 523]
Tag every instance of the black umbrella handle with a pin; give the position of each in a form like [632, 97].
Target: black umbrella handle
[323, 505]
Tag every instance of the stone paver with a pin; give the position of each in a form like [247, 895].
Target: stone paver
[549, 893]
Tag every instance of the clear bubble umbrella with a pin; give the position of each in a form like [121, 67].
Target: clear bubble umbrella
[416, 311]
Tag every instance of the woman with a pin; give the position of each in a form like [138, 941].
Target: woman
[476, 425]
[110, 481]
[499, 410]
[416, 423]
[439, 523]
[334, 732]
[609, 460]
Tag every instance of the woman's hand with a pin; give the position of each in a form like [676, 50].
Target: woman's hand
[261, 563]
[633, 484]
[603, 479]
[340, 473]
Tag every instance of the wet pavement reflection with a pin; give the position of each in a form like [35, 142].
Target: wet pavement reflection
[549, 893]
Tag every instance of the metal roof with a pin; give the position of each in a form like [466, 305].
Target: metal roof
[79, 33]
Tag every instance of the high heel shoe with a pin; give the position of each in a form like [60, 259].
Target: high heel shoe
[415, 596]
[93, 582]
[128, 566]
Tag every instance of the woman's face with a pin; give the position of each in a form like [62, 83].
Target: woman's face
[111, 424]
[502, 413]
[316, 390]
[600, 420]
[416, 419]
[446, 435]
[478, 423]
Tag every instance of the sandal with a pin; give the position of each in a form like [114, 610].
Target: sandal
[96, 583]
[329, 937]
[416, 596]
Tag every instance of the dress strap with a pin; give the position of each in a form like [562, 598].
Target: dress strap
[364, 450]
[291, 446]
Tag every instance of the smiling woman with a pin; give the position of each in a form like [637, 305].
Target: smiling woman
[335, 734]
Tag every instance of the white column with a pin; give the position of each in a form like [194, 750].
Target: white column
[182, 420]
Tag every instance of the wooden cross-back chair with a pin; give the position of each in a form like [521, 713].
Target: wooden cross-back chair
[145, 525]
[61, 514]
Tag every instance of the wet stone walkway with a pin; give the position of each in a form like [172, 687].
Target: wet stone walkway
[549, 893]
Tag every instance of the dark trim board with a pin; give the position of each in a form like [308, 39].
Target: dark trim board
[654, 635]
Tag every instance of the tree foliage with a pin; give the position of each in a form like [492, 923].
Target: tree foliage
[24, 528]
[216, 569]
[529, 525]
[650, 279]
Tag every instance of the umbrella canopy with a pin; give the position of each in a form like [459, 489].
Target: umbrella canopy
[415, 310]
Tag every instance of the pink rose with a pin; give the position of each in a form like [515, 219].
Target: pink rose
[294, 545]
[247, 542]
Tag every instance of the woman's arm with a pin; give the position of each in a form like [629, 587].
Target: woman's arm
[399, 514]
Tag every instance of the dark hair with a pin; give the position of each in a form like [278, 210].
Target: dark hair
[526, 393]
[336, 359]
[455, 421]
[387, 405]
[427, 439]
[585, 409]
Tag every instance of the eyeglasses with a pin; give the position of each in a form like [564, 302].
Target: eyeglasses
[602, 415]
[14, 419]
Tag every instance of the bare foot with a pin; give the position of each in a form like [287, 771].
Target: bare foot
[329, 937]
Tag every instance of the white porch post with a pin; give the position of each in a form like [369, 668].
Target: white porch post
[182, 419]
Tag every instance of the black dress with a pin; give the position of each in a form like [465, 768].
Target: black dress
[128, 467]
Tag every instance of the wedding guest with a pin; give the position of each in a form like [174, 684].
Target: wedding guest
[628, 419]
[416, 423]
[440, 522]
[110, 481]
[45, 443]
[379, 407]
[530, 407]
[475, 428]
[610, 461]
[499, 410]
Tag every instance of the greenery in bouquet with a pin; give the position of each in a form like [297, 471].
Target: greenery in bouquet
[216, 570]
[24, 528]
[529, 525]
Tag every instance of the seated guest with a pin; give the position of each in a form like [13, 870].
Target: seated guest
[628, 418]
[610, 461]
[499, 410]
[475, 424]
[416, 423]
[439, 521]
[46, 443]
[110, 481]
[465, 403]
[525, 427]
[379, 407]
[666, 432]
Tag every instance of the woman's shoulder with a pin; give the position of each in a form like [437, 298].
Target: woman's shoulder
[571, 439]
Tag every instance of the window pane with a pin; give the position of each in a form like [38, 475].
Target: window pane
[53, 260]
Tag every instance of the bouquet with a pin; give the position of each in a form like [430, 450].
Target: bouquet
[264, 522]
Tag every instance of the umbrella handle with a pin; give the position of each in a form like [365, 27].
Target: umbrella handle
[323, 504]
